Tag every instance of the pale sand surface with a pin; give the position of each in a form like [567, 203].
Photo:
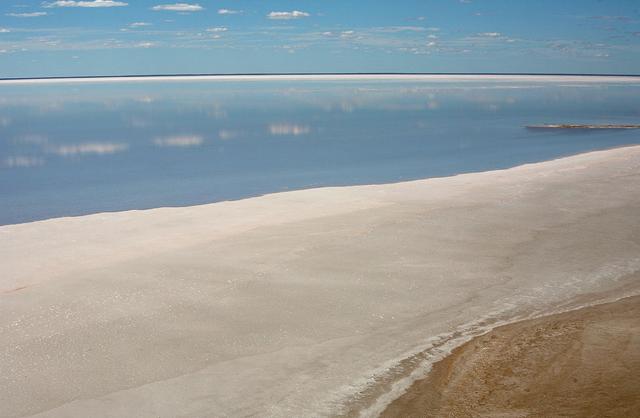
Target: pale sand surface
[305, 303]
[584, 363]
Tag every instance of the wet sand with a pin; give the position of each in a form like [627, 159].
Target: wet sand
[583, 363]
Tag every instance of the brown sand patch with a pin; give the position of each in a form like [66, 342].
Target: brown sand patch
[584, 363]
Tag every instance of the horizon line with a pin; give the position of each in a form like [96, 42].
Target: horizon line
[306, 75]
[317, 73]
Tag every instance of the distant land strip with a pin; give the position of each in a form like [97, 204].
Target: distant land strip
[329, 76]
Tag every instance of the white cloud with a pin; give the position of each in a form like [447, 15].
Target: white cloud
[228, 12]
[179, 7]
[288, 129]
[22, 162]
[89, 3]
[218, 29]
[4, 30]
[490, 34]
[295, 14]
[144, 44]
[179, 141]
[98, 148]
[32, 14]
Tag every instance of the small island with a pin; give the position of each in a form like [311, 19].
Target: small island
[578, 126]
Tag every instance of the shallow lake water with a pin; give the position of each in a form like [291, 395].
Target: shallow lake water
[71, 149]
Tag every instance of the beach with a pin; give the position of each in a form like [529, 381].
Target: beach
[319, 302]
[583, 363]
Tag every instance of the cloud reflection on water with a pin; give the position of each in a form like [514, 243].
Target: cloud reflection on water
[227, 134]
[288, 129]
[21, 161]
[96, 148]
[179, 141]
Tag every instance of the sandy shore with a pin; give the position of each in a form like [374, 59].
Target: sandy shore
[316, 303]
[584, 363]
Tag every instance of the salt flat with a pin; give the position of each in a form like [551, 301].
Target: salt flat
[293, 303]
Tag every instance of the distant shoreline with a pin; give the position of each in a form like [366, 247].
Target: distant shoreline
[329, 76]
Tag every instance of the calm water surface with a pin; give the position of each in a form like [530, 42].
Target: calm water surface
[69, 149]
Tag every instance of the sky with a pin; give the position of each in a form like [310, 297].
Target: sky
[118, 37]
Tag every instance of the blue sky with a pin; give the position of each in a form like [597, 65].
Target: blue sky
[96, 37]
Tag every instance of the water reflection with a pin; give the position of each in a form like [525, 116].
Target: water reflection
[94, 147]
[97, 148]
[288, 129]
[21, 161]
[179, 141]
[227, 134]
